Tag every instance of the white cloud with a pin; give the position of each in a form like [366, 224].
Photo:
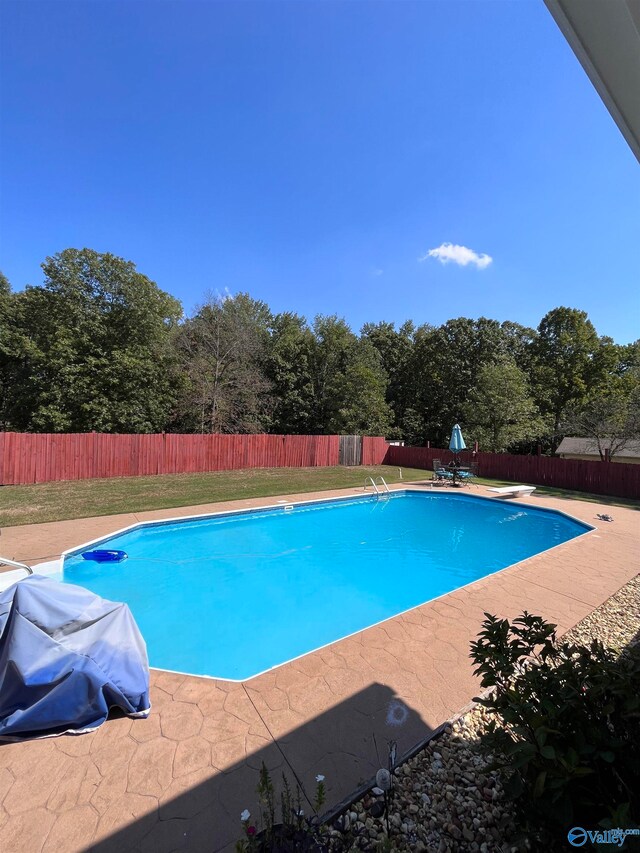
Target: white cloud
[377, 271]
[460, 255]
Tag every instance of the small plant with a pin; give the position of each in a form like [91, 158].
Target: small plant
[293, 831]
[321, 795]
[567, 724]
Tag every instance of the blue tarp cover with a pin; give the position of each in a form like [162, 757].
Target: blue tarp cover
[66, 657]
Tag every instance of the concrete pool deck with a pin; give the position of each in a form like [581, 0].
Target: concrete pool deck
[180, 779]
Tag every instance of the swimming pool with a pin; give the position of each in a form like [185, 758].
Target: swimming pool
[235, 594]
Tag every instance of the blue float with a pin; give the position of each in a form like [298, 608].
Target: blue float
[105, 556]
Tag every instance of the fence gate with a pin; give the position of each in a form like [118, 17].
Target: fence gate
[350, 450]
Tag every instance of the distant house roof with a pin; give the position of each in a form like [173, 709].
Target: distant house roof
[589, 447]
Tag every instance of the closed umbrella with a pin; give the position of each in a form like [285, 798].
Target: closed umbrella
[456, 444]
[457, 441]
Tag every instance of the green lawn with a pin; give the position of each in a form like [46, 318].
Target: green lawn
[82, 498]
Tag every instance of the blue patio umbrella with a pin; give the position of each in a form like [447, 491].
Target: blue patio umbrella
[457, 441]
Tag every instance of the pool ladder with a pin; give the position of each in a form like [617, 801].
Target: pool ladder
[5, 561]
[373, 482]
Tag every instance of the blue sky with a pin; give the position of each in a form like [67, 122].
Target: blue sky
[312, 152]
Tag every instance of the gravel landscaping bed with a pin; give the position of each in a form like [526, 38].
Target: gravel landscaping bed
[616, 623]
[446, 798]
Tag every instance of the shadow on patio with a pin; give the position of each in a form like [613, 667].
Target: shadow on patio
[179, 780]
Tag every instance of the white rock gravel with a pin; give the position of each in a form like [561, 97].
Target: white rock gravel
[445, 797]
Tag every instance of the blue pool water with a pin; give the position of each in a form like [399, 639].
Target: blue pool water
[234, 595]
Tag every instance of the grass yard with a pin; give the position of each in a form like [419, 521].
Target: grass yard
[85, 498]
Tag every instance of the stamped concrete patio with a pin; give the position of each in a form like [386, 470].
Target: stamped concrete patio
[179, 780]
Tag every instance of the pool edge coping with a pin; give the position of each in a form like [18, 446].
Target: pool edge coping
[283, 505]
[57, 565]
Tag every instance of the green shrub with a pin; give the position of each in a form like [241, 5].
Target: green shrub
[566, 728]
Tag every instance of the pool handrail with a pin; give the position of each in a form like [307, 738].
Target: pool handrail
[373, 483]
[383, 482]
[5, 561]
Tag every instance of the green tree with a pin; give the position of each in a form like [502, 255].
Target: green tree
[395, 347]
[444, 367]
[7, 346]
[349, 382]
[92, 348]
[629, 357]
[518, 343]
[289, 370]
[6, 305]
[563, 359]
[223, 352]
[499, 411]
[5, 287]
[412, 427]
[609, 416]
[361, 394]
[333, 340]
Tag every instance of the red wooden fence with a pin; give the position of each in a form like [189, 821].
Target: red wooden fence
[41, 458]
[374, 449]
[600, 478]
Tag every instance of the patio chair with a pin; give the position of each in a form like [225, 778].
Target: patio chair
[440, 473]
[468, 476]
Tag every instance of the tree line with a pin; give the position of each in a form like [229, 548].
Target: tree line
[99, 346]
